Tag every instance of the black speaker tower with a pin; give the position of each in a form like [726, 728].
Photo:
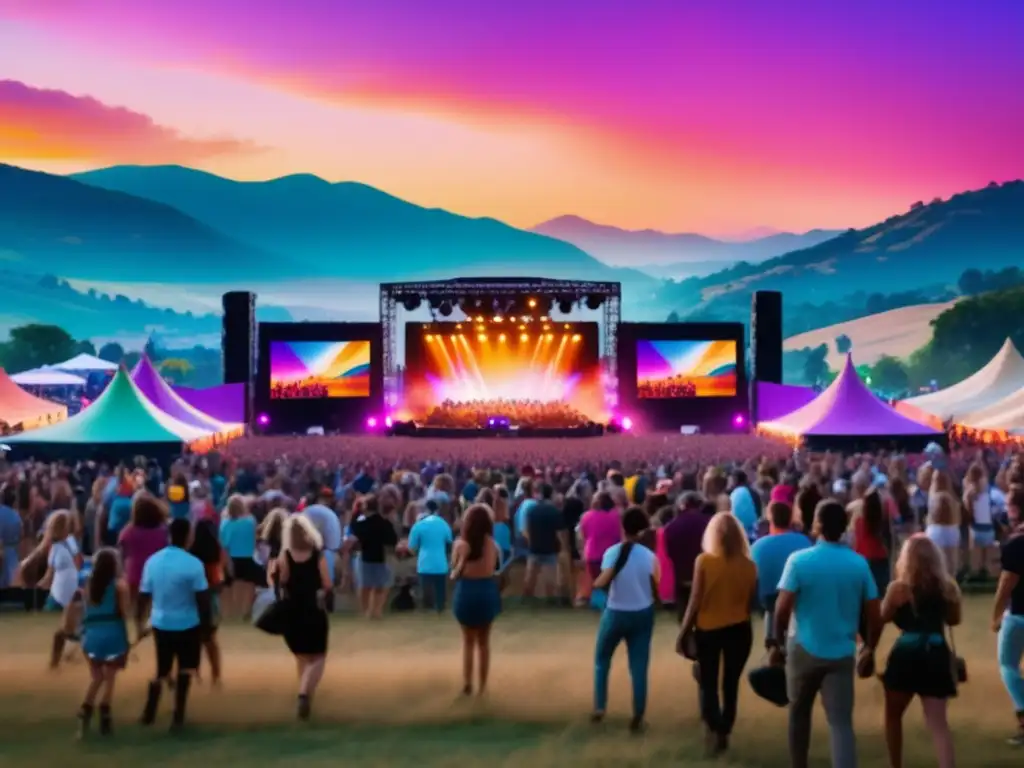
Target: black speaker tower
[238, 344]
[765, 342]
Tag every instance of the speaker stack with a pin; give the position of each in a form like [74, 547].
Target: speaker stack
[238, 344]
[765, 342]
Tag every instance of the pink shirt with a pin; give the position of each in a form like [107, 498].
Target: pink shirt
[138, 545]
[667, 585]
[600, 530]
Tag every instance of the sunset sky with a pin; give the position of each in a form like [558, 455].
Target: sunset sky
[715, 116]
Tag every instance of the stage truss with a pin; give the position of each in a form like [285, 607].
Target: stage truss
[393, 295]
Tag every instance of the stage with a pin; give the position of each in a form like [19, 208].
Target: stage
[510, 433]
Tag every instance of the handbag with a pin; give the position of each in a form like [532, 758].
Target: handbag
[959, 663]
[686, 645]
[274, 619]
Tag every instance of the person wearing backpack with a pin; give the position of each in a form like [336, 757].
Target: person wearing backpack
[631, 574]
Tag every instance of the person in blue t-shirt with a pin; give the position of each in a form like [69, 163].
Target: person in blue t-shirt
[827, 587]
[174, 584]
[770, 554]
[745, 503]
[430, 540]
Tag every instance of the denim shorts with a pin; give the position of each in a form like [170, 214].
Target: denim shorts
[374, 575]
[944, 536]
[983, 535]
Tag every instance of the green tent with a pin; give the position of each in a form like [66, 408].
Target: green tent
[121, 415]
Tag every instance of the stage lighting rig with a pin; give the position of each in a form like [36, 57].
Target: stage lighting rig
[566, 304]
[411, 302]
[594, 301]
[446, 308]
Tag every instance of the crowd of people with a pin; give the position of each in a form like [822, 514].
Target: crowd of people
[536, 414]
[830, 548]
[675, 386]
[309, 389]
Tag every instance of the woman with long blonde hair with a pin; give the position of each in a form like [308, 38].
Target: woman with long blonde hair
[724, 589]
[303, 578]
[921, 601]
[238, 538]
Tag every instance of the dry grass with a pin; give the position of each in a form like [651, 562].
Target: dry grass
[390, 698]
[898, 332]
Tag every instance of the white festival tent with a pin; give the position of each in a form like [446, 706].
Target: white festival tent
[47, 377]
[978, 394]
[84, 363]
[1005, 416]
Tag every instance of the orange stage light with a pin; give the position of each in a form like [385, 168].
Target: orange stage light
[498, 318]
[532, 303]
[576, 337]
[501, 337]
[482, 337]
[544, 318]
[479, 318]
[429, 337]
[524, 337]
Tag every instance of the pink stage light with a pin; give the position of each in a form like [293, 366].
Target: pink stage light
[263, 419]
[627, 423]
[371, 423]
[388, 422]
[739, 420]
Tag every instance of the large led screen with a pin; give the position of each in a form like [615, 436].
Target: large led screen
[674, 369]
[319, 369]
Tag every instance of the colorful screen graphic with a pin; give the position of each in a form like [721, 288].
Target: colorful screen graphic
[315, 369]
[533, 374]
[670, 369]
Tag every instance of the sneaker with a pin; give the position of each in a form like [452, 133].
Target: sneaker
[1016, 741]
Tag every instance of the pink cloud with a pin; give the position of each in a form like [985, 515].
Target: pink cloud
[43, 124]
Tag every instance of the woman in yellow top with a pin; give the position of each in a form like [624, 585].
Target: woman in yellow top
[724, 589]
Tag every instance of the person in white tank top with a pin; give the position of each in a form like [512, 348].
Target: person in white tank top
[978, 508]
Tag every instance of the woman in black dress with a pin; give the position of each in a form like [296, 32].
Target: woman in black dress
[922, 600]
[300, 573]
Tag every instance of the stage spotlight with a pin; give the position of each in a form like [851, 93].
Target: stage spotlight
[411, 303]
[479, 318]
[388, 422]
[524, 337]
[522, 327]
[532, 303]
[446, 308]
[739, 421]
[576, 337]
[482, 337]
[371, 422]
[501, 337]
[481, 327]
[459, 326]
[450, 338]
[430, 337]
[263, 420]
[547, 327]
[594, 301]
[627, 423]
[567, 326]
[512, 319]
[550, 336]
[498, 318]
[544, 318]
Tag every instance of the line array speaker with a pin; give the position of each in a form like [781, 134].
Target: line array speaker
[238, 343]
[766, 336]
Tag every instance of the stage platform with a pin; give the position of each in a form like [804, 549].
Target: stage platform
[510, 433]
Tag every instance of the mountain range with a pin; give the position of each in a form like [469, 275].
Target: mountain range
[925, 249]
[352, 230]
[668, 255]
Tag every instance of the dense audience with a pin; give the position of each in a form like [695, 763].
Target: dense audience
[474, 414]
[831, 548]
[674, 386]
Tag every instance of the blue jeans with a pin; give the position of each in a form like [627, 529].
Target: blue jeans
[636, 628]
[1011, 650]
[434, 588]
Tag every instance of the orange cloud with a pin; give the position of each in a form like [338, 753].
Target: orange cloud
[41, 124]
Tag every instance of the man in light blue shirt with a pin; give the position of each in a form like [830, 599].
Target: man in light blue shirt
[771, 553]
[326, 520]
[429, 540]
[743, 504]
[174, 584]
[827, 588]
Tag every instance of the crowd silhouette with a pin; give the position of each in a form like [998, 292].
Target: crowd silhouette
[520, 413]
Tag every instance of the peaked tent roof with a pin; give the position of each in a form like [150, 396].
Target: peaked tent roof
[47, 377]
[1001, 377]
[85, 363]
[847, 409]
[777, 400]
[18, 407]
[225, 402]
[120, 415]
[1007, 414]
[149, 381]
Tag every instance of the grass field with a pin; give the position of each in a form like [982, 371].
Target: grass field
[390, 698]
